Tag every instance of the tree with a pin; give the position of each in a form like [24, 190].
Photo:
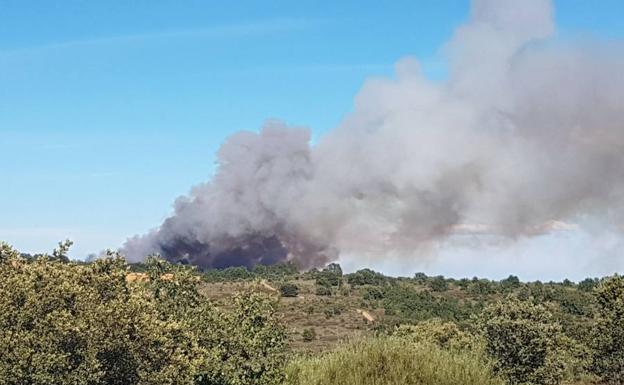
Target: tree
[438, 284]
[330, 275]
[334, 268]
[79, 324]
[7, 252]
[524, 342]
[420, 277]
[71, 323]
[608, 336]
[510, 283]
[588, 284]
[365, 277]
[244, 346]
[62, 250]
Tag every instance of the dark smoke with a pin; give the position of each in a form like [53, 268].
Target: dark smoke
[525, 137]
[241, 217]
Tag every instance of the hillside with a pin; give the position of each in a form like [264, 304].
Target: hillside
[109, 322]
[336, 305]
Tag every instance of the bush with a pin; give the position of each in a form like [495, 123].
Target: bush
[438, 284]
[66, 323]
[373, 293]
[510, 283]
[289, 290]
[70, 323]
[524, 342]
[608, 335]
[366, 277]
[420, 277]
[390, 361]
[446, 335]
[481, 287]
[244, 346]
[323, 290]
[588, 284]
[309, 334]
[408, 304]
[328, 279]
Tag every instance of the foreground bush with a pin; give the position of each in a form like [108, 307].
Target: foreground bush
[524, 342]
[68, 323]
[391, 361]
[608, 335]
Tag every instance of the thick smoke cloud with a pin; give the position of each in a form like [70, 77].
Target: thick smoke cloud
[526, 135]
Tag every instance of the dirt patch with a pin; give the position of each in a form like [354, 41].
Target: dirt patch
[137, 277]
[367, 316]
[266, 285]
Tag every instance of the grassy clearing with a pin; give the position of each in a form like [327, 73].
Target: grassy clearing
[390, 361]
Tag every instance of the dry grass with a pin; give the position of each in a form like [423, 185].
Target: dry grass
[306, 311]
[390, 361]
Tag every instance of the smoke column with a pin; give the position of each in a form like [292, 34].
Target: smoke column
[525, 135]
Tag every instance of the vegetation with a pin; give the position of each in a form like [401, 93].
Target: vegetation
[608, 334]
[289, 290]
[446, 335]
[308, 334]
[68, 323]
[108, 322]
[391, 361]
[524, 342]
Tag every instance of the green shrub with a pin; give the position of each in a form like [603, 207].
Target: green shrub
[373, 293]
[327, 279]
[323, 291]
[524, 342]
[289, 290]
[308, 335]
[63, 323]
[608, 336]
[408, 304]
[332, 310]
[244, 346]
[366, 277]
[390, 361]
[420, 277]
[482, 287]
[438, 284]
[588, 284]
[71, 323]
[510, 283]
[446, 335]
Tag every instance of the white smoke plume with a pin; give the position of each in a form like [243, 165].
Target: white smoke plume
[525, 137]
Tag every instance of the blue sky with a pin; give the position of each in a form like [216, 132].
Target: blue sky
[109, 110]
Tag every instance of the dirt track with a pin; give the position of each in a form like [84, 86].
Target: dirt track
[366, 315]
